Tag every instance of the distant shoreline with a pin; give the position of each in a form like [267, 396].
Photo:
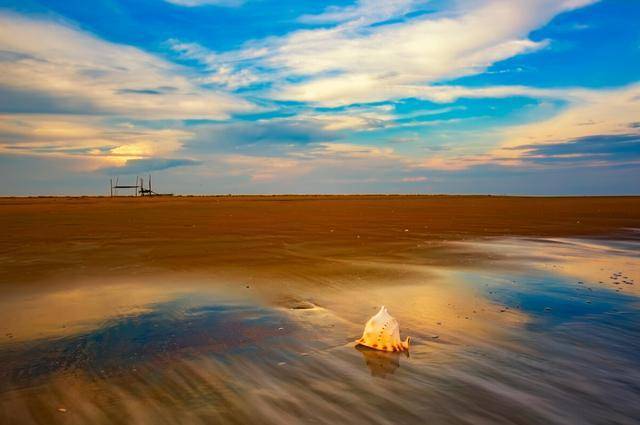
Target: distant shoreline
[328, 195]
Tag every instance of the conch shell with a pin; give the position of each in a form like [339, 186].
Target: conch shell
[382, 332]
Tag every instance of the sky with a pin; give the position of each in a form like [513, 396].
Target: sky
[532, 97]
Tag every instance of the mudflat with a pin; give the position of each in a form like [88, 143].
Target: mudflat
[245, 309]
[47, 236]
[86, 235]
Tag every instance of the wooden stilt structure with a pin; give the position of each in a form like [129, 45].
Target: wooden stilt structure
[138, 187]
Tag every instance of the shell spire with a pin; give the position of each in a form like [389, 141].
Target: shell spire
[382, 332]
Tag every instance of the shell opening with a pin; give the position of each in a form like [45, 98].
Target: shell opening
[406, 343]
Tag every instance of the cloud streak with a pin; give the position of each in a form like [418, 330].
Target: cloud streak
[354, 63]
[596, 150]
[196, 3]
[364, 12]
[89, 139]
[71, 67]
[133, 166]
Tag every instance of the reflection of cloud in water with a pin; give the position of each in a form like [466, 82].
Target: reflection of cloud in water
[197, 360]
[165, 331]
[38, 313]
[580, 373]
[596, 262]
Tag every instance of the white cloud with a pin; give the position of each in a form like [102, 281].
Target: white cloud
[591, 112]
[354, 118]
[341, 158]
[67, 64]
[194, 3]
[350, 63]
[353, 62]
[416, 179]
[87, 138]
[364, 11]
[588, 113]
[226, 73]
[351, 151]
[346, 90]
[264, 168]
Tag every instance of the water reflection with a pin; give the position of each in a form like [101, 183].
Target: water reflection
[614, 265]
[169, 330]
[380, 363]
[518, 342]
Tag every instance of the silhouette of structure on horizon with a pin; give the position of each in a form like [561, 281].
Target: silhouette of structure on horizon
[139, 189]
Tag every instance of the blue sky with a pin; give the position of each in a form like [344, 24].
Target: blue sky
[369, 96]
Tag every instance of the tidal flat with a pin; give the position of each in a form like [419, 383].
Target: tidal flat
[245, 310]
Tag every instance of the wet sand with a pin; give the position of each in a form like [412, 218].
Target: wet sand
[244, 310]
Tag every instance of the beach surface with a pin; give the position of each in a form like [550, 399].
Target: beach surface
[273, 235]
[245, 309]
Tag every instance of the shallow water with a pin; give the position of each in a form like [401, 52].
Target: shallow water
[547, 332]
